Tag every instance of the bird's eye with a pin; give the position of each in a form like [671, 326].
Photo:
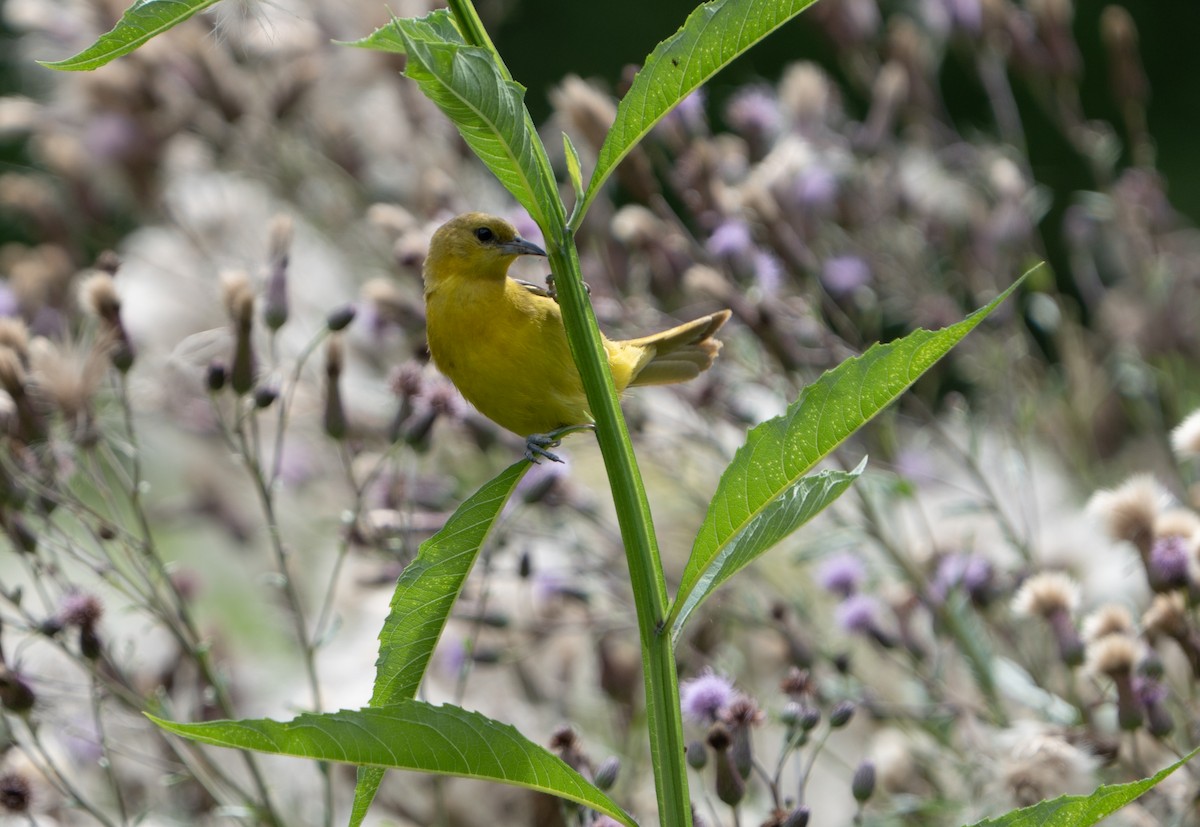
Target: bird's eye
[484, 234]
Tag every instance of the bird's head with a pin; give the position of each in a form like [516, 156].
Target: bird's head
[475, 245]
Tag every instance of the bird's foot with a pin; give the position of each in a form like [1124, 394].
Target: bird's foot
[539, 445]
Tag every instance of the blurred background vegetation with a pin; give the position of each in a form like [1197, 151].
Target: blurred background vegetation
[830, 204]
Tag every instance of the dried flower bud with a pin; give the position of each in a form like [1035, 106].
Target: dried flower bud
[334, 419]
[797, 817]
[15, 336]
[606, 774]
[740, 715]
[265, 395]
[809, 719]
[1151, 694]
[80, 609]
[15, 792]
[791, 714]
[16, 695]
[339, 318]
[417, 428]
[12, 373]
[1129, 510]
[566, 743]
[486, 655]
[215, 377]
[841, 714]
[279, 237]
[1115, 656]
[731, 786]
[563, 738]
[862, 786]
[89, 643]
[1109, 619]
[798, 683]
[99, 294]
[275, 290]
[718, 737]
[239, 303]
[1120, 37]
[1185, 438]
[108, 262]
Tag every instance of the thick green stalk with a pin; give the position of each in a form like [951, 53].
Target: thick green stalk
[625, 480]
[637, 532]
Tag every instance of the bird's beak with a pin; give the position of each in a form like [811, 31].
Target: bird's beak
[520, 247]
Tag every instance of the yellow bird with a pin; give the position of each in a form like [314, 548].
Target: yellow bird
[502, 342]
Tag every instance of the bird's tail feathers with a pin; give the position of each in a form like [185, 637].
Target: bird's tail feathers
[680, 353]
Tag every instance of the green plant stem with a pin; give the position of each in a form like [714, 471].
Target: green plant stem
[637, 531]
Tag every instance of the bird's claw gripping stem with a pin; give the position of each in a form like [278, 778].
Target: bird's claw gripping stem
[539, 445]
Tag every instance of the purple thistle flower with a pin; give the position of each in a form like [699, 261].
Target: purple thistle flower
[730, 239]
[702, 698]
[842, 574]
[768, 272]
[549, 585]
[965, 14]
[969, 572]
[1148, 690]
[916, 464]
[858, 614]
[1169, 560]
[816, 187]
[690, 112]
[754, 111]
[842, 275]
[79, 608]
[9, 306]
[450, 655]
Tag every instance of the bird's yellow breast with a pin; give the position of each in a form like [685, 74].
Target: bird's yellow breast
[506, 351]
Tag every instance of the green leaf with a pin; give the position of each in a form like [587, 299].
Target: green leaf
[712, 36]
[1082, 810]
[574, 168]
[143, 20]
[421, 603]
[762, 493]
[429, 586]
[388, 38]
[467, 85]
[411, 735]
[776, 518]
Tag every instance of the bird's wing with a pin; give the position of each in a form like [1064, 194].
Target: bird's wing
[535, 289]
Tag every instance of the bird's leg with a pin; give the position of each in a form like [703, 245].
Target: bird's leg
[539, 445]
